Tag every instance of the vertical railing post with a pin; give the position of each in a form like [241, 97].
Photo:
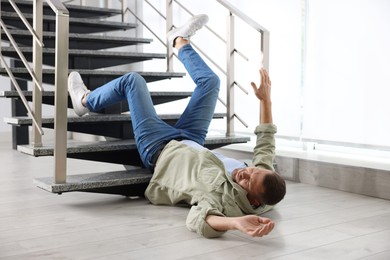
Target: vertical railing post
[265, 51]
[169, 25]
[37, 66]
[61, 95]
[265, 39]
[125, 13]
[230, 76]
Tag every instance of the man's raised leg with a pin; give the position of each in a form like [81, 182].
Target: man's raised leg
[195, 120]
[147, 126]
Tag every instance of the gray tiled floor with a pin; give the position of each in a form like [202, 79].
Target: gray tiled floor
[312, 223]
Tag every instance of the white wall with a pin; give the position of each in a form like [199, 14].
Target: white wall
[347, 73]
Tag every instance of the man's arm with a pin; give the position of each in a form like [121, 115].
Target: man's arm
[264, 151]
[263, 93]
[252, 225]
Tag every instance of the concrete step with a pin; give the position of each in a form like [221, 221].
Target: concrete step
[76, 25]
[158, 97]
[128, 182]
[77, 40]
[92, 78]
[114, 125]
[118, 151]
[86, 59]
[74, 10]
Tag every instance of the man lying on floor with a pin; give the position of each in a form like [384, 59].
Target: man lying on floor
[225, 194]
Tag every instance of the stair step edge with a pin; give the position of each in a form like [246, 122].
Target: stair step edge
[103, 12]
[88, 72]
[121, 25]
[27, 93]
[117, 145]
[84, 182]
[89, 52]
[83, 36]
[24, 120]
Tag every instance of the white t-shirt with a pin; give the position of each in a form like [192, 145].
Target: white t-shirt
[230, 163]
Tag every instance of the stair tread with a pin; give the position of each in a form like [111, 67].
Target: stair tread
[87, 59]
[28, 93]
[74, 10]
[83, 36]
[76, 25]
[75, 52]
[102, 72]
[106, 74]
[119, 25]
[116, 145]
[24, 120]
[85, 182]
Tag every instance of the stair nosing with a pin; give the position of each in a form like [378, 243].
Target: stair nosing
[107, 11]
[102, 72]
[84, 36]
[117, 145]
[90, 52]
[79, 182]
[24, 120]
[121, 25]
[14, 93]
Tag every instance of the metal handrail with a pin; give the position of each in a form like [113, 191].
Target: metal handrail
[230, 67]
[230, 59]
[61, 75]
[26, 23]
[21, 55]
[230, 56]
[20, 92]
[144, 24]
[61, 89]
[264, 32]
[206, 26]
[33, 115]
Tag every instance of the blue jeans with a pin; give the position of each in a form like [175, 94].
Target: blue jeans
[150, 132]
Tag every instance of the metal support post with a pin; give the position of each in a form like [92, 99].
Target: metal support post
[37, 66]
[230, 76]
[61, 96]
[265, 50]
[169, 26]
[265, 40]
[125, 13]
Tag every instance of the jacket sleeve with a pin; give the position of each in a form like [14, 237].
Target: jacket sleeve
[264, 151]
[196, 220]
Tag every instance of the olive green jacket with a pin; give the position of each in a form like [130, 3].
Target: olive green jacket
[199, 178]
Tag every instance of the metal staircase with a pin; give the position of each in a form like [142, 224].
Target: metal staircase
[87, 53]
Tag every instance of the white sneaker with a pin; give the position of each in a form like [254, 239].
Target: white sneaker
[77, 90]
[188, 29]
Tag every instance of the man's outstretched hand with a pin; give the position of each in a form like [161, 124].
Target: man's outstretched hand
[251, 225]
[254, 226]
[263, 92]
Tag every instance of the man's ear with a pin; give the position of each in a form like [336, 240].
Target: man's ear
[254, 201]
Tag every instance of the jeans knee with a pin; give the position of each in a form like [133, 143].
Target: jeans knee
[214, 81]
[132, 79]
[132, 76]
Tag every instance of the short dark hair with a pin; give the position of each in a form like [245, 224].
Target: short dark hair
[274, 189]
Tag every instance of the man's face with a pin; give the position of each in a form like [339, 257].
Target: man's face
[251, 180]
